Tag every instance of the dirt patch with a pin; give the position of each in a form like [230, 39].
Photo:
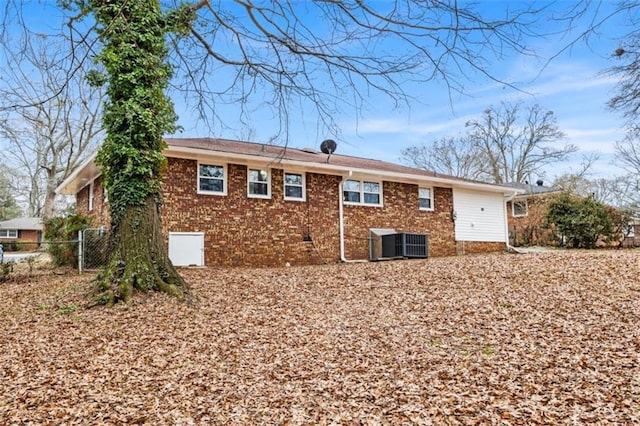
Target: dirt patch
[549, 338]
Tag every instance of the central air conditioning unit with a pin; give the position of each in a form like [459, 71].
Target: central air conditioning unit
[388, 244]
[405, 245]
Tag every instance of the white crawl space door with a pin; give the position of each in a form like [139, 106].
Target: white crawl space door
[186, 248]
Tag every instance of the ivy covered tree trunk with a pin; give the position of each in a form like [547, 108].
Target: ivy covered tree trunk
[136, 116]
[138, 258]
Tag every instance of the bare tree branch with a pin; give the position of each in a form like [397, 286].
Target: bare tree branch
[509, 143]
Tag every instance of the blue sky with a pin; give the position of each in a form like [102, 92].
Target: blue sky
[572, 85]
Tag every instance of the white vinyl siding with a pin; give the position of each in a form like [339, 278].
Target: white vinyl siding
[480, 216]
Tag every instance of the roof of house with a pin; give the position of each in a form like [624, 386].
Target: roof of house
[24, 223]
[532, 189]
[239, 152]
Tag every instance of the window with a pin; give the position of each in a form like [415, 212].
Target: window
[259, 183]
[519, 208]
[351, 191]
[212, 179]
[91, 195]
[362, 192]
[8, 233]
[294, 186]
[425, 198]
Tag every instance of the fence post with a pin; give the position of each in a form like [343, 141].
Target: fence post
[80, 251]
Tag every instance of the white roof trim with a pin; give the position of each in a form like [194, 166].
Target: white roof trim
[88, 171]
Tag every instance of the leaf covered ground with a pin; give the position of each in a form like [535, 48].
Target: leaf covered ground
[550, 338]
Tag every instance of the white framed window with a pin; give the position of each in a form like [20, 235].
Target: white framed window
[294, 186]
[367, 193]
[8, 233]
[425, 198]
[258, 183]
[91, 196]
[519, 208]
[212, 179]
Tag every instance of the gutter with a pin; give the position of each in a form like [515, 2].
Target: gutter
[341, 219]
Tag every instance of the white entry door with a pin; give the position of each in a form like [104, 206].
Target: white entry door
[186, 248]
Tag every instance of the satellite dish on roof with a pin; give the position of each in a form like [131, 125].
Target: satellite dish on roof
[328, 146]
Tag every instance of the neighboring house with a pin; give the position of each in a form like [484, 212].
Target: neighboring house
[21, 234]
[631, 237]
[527, 211]
[238, 203]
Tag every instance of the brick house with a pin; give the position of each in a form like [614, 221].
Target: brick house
[238, 203]
[526, 214]
[23, 233]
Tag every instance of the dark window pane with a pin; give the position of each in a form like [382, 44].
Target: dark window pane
[425, 203]
[352, 197]
[213, 185]
[258, 188]
[371, 198]
[293, 191]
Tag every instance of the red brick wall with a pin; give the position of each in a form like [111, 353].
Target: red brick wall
[401, 212]
[100, 211]
[251, 231]
[269, 232]
[528, 230]
[478, 247]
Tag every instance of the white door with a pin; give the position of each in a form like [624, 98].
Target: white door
[186, 248]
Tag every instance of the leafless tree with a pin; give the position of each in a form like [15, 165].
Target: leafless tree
[517, 141]
[49, 118]
[449, 156]
[628, 151]
[508, 143]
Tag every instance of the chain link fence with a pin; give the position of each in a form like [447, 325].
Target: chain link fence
[89, 252]
[94, 249]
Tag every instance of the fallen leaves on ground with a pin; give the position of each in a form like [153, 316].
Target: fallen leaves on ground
[550, 338]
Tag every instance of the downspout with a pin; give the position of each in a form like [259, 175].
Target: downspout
[506, 219]
[341, 217]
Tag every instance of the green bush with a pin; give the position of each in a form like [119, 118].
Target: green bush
[580, 222]
[62, 235]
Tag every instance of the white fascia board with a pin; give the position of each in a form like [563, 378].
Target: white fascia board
[76, 181]
[332, 169]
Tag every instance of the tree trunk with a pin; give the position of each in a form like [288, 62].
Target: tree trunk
[138, 259]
